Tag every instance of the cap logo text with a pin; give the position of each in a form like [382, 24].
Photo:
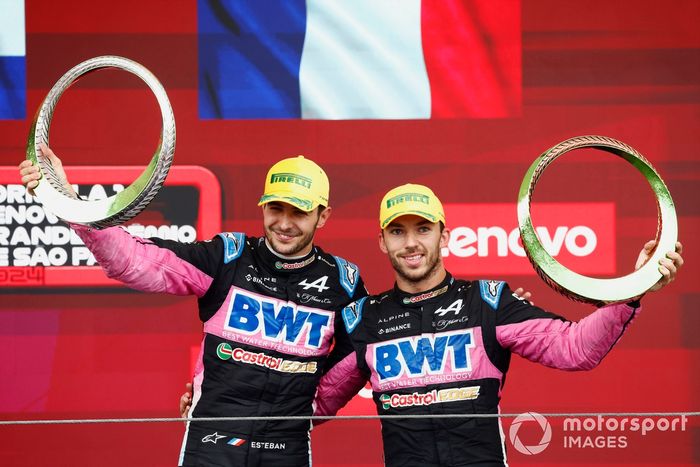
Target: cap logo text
[291, 178]
[425, 199]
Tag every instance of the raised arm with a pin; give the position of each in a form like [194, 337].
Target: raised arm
[553, 341]
[149, 265]
[566, 345]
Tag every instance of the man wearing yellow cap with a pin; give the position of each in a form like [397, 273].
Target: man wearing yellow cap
[270, 308]
[436, 345]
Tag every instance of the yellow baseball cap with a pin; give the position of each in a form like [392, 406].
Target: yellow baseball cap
[297, 181]
[413, 199]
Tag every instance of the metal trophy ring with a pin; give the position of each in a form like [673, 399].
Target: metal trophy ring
[583, 288]
[133, 199]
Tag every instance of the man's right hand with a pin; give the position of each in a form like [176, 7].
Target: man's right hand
[520, 292]
[30, 173]
[186, 401]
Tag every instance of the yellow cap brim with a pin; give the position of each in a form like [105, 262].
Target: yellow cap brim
[290, 198]
[427, 216]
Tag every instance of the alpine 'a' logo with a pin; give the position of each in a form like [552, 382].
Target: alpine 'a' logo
[455, 306]
[319, 284]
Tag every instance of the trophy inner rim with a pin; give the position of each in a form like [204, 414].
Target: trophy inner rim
[584, 288]
[126, 204]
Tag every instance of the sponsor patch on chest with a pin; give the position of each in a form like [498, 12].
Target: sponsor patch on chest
[395, 328]
[392, 401]
[225, 352]
[419, 356]
[276, 324]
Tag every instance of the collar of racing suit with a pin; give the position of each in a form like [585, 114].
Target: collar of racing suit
[427, 296]
[278, 264]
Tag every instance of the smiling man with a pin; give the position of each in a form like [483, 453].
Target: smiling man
[437, 345]
[415, 258]
[270, 308]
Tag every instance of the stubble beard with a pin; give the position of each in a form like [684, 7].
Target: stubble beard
[292, 249]
[416, 277]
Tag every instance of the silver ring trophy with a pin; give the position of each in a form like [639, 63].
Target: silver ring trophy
[126, 204]
[588, 289]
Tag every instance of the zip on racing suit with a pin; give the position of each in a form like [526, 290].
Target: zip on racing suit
[447, 351]
[269, 325]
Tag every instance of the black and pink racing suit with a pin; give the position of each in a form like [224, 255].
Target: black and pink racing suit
[269, 326]
[447, 351]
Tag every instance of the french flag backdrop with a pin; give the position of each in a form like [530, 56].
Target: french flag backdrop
[12, 60]
[365, 59]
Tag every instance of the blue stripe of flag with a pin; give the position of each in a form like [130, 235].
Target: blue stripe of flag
[249, 58]
[13, 97]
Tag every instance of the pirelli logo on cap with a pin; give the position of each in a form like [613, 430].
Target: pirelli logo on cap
[402, 198]
[410, 199]
[291, 178]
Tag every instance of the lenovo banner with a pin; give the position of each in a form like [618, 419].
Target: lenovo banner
[485, 238]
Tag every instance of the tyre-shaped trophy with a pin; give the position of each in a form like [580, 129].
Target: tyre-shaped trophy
[114, 210]
[588, 289]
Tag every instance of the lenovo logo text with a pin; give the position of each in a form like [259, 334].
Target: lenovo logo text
[579, 240]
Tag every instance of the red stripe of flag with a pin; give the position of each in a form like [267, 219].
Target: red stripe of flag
[472, 52]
